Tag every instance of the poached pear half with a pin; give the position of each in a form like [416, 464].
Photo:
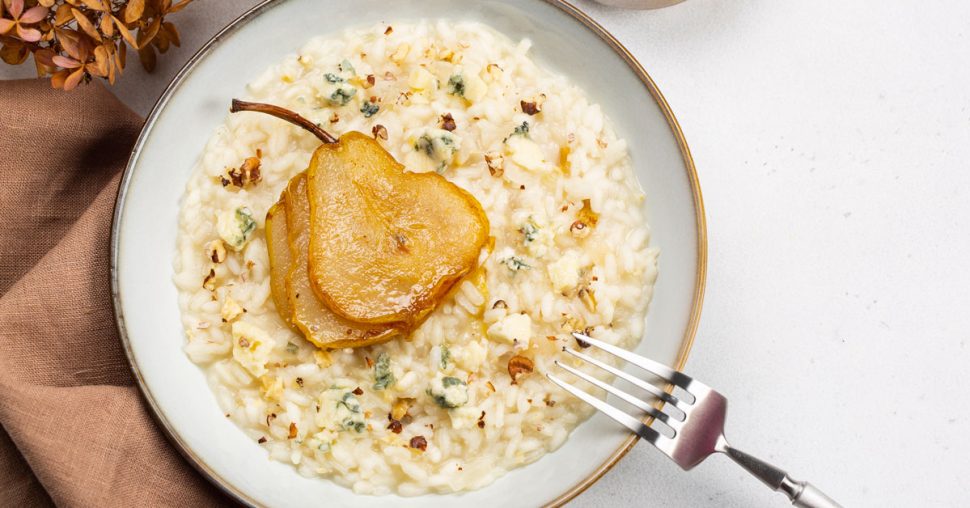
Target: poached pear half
[386, 245]
[318, 323]
[370, 249]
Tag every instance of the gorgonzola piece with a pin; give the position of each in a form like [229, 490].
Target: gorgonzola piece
[336, 90]
[420, 79]
[471, 356]
[448, 392]
[467, 85]
[440, 146]
[251, 347]
[564, 272]
[512, 329]
[236, 227]
[527, 154]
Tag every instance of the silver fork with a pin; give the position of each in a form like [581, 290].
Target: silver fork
[692, 432]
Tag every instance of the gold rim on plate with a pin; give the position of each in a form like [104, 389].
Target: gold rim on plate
[700, 277]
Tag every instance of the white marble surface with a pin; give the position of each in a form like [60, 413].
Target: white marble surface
[833, 145]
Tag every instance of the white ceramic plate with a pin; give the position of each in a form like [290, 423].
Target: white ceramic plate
[145, 226]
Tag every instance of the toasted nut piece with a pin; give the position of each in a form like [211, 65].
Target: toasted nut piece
[245, 175]
[519, 366]
[447, 122]
[216, 251]
[579, 229]
[588, 298]
[533, 106]
[419, 443]
[231, 310]
[210, 280]
[379, 132]
[369, 81]
[250, 169]
[400, 408]
[389, 31]
[500, 304]
[292, 433]
[334, 118]
[496, 163]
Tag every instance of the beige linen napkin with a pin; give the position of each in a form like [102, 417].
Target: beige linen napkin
[75, 430]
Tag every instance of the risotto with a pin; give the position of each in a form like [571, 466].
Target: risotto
[464, 398]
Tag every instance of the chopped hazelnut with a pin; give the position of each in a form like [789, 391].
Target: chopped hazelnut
[210, 280]
[216, 251]
[533, 106]
[245, 175]
[395, 426]
[292, 433]
[231, 310]
[400, 409]
[379, 132]
[419, 443]
[579, 229]
[519, 366]
[496, 163]
[447, 122]
[369, 82]
[389, 31]
[334, 118]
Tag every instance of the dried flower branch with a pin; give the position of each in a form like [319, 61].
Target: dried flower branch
[74, 41]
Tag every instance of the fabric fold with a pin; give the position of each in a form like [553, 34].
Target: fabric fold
[75, 430]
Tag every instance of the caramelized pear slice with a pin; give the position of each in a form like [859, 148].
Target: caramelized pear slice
[386, 245]
[320, 325]
[277, 243]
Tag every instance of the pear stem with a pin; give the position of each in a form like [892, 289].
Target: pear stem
[283, 114]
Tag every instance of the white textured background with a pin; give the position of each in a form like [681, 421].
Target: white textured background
[832, 140]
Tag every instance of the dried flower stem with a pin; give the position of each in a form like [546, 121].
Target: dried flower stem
[283, 114]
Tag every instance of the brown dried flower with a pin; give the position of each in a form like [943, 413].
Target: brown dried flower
[74, 41]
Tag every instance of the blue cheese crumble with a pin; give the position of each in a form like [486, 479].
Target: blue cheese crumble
[440, 146]
[448, 392]
[236, 227]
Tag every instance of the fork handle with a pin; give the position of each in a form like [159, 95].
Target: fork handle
[801, 494]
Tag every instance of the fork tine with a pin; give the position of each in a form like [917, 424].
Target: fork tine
[629, 399]
[664, 372]
[621, 417]
[657, 392]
